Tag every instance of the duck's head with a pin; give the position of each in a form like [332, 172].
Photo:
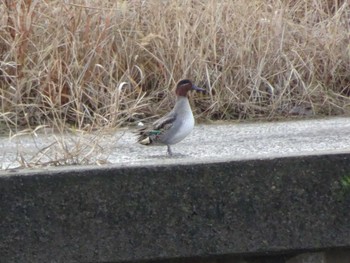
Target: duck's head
[185, 85]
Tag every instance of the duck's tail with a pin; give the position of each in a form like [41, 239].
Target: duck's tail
[146, 136]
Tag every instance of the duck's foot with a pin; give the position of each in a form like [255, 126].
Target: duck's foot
[169, 152]
[173, 155]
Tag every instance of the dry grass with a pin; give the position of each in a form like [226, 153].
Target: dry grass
[67, 150]
[41, 147]
[92, 64]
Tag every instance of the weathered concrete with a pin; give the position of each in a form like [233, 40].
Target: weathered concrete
[207, 143]
[337, 256]
[241, 189]
[156, 211]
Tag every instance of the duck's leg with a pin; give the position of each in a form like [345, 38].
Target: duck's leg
[169, 152]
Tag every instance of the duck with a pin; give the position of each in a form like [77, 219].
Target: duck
[175, 125]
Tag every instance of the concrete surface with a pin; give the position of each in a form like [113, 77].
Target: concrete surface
[207, 143]
[337, 256]
[234, 196]
[118, 214]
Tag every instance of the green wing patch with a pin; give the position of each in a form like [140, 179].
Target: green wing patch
[154, 132]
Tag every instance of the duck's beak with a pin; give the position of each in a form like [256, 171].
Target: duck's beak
[194, 87]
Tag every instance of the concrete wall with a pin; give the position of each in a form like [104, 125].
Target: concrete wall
[154, 212]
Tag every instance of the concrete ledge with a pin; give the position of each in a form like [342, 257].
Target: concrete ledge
[173, 211]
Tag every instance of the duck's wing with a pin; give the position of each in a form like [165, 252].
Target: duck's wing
[164, 122]
[149, 135]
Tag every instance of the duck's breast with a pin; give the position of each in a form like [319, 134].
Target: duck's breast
[181, 128]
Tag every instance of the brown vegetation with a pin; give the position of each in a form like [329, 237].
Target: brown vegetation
[105, 63]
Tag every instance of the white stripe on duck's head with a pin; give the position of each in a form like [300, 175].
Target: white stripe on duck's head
[185, 85]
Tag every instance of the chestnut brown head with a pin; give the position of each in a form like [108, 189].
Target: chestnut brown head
[185, 85]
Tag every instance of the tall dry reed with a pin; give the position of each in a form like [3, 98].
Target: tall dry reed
[105, 63]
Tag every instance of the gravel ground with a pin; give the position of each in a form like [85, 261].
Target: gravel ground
[207, 143]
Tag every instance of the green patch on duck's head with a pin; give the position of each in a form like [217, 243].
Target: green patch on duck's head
[185, 85]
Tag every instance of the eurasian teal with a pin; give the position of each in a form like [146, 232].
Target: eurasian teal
[174, 126]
